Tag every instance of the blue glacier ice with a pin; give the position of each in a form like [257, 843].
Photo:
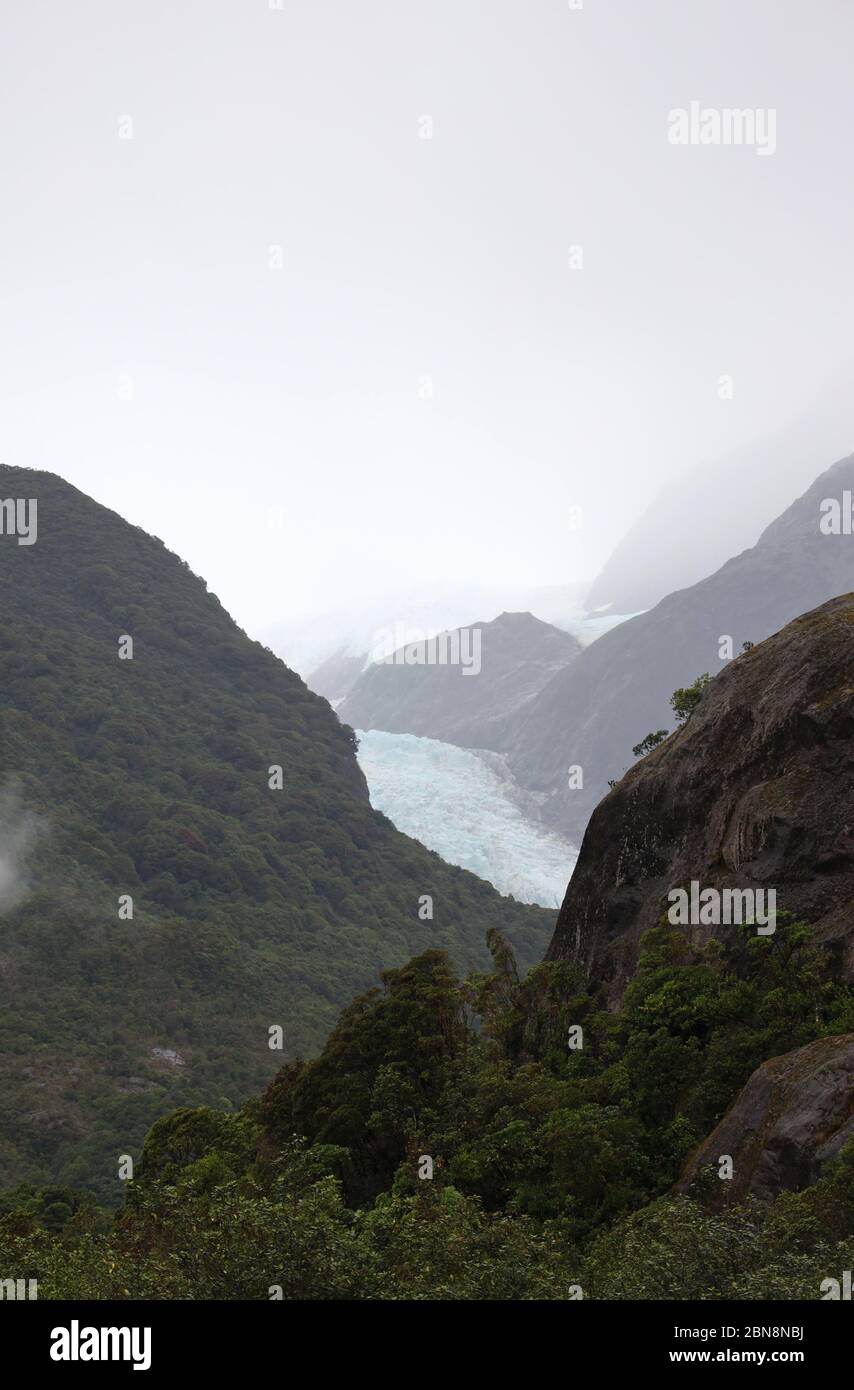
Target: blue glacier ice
[463, 805]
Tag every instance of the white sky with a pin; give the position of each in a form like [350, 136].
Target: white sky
[276, 438]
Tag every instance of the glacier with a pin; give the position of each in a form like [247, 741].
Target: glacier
[465, 806]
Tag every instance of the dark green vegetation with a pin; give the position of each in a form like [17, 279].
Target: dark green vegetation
[252, 907]
[647, 744]
[685, 700]
[552, 1166]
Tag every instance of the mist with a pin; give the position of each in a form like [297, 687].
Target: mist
[306, 294]
[19, 831]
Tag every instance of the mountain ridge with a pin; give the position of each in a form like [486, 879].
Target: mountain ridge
[755, 791]
[618, 689]
[510, 659]
[150, 778]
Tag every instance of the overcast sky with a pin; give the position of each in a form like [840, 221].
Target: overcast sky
[275, 425]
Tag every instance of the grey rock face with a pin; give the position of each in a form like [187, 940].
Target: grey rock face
[592, 713]
[732, 498]
[755, 791]
[794, 1115]
[516, 656]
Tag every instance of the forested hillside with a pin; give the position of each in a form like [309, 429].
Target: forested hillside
[149, 777]
[420, 1157]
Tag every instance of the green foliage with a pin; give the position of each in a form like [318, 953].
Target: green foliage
[149, 777]
[651, 741]
[392, 1055]
[785, 1249]
[685, 700]
[550, 1167]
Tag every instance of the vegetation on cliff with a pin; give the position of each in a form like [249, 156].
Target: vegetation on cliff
[254, 906]
[552, 1165]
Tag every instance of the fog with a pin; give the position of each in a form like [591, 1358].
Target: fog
[343, 298]
[19, 830]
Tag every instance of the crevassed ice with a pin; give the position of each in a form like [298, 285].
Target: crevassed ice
[455, 803]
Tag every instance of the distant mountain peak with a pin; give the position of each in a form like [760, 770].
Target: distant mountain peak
[594, 712]
[424, 692]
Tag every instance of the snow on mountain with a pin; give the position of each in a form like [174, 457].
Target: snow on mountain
[587, 629]
[464, 805]
[361, 624]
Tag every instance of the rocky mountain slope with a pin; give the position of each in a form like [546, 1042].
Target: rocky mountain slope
[755, 791]
[335, 677]
[592, 713]
[509, 661]
[730, 500]
[259, 900]
[795, 1114]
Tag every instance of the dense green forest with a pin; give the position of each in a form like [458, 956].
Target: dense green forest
[253, 907]
[476, 1126]
[552, 1166]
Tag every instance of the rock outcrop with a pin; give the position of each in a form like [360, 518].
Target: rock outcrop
[794, 1114]
[755, 791]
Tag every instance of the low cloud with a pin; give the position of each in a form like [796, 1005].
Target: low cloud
[19, 831]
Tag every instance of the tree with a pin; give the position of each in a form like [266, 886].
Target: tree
[651, 741]
[685, 700]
